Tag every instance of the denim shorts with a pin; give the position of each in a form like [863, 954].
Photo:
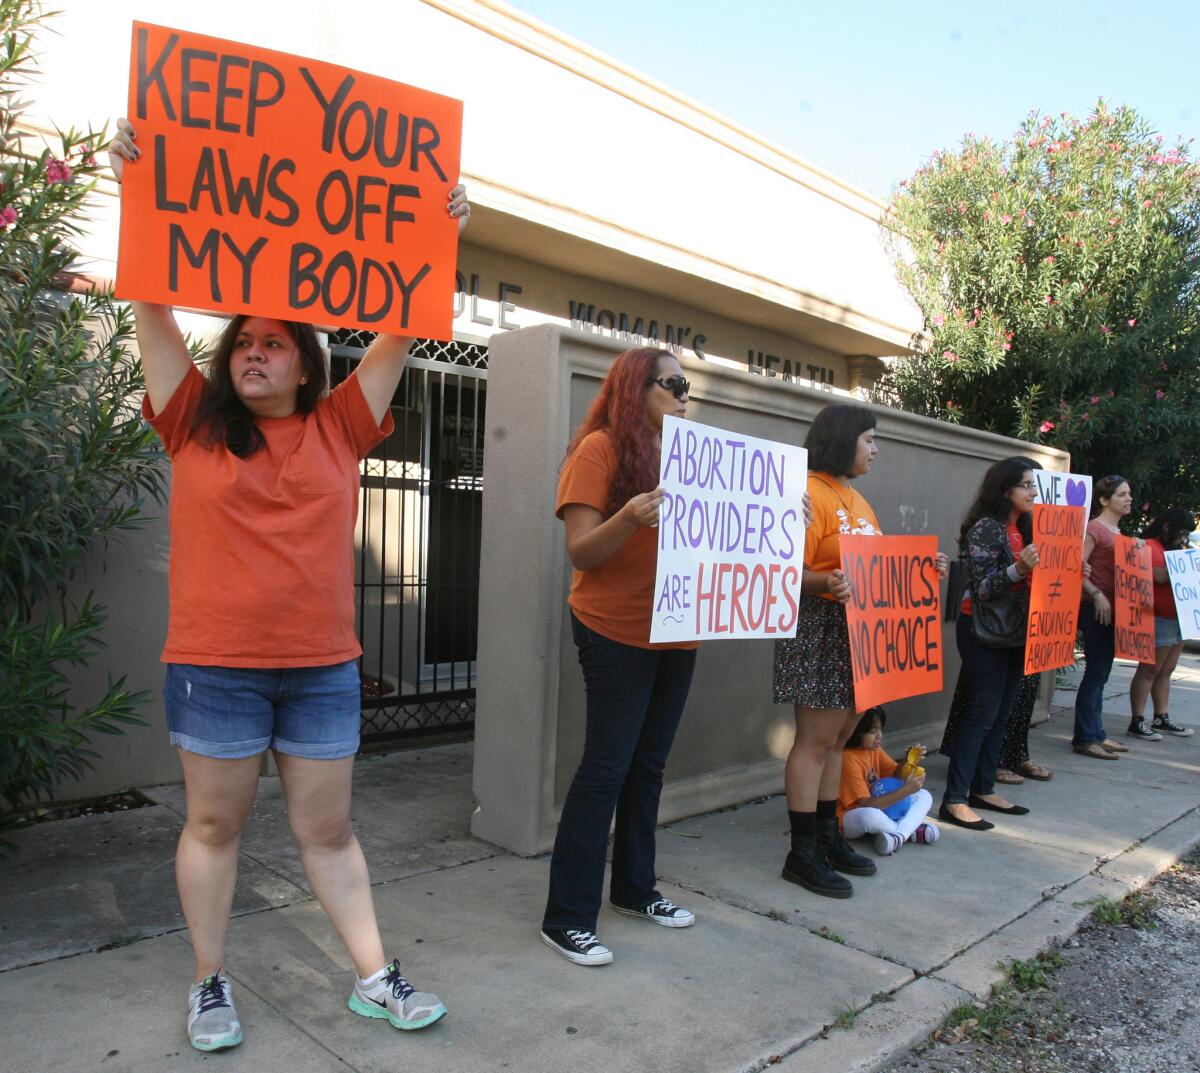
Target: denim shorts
[1166, 632]
[234, 712]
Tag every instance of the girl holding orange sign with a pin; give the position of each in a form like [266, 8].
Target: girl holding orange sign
[261, 646]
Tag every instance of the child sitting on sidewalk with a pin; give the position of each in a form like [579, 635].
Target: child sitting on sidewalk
[871, 801]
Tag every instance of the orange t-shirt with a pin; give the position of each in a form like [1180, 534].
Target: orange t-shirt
[837, 509]
[860, 768]
[262, 548]
[615, 598]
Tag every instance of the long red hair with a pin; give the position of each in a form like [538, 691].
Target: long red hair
[620, 410]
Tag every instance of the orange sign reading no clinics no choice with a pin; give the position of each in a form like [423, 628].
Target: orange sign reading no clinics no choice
[894, 616]
[287, 188]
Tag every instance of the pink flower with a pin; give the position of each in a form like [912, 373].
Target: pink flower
[1095, 399]
[1048, 300]
[1006, 219]
[1008, 346]
[1105, 329]
[1160, 394]
[949, 355]
[1086, 416]
[57, 171]
[1050, 259]
[1146, 506]
[1146, 203]
[938, 321]
[1046, 426]
[8, 217]
[1132, 322]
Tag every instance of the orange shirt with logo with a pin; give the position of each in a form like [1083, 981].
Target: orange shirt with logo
[262, 548]
[837, 509]
[616, 597]
[861, 768]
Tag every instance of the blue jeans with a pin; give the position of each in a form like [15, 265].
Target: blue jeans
[635, 698]
[1099, 644]
[990, 679]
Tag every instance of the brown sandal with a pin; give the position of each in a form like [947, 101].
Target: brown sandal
[1095, 750]
[1009, 778]
[1035, 771]
[1114, 746]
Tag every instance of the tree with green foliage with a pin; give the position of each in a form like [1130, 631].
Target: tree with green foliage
[75, 458]
[1057, 274]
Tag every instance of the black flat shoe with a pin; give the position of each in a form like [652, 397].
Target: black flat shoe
[1012, 810]
[971, 825]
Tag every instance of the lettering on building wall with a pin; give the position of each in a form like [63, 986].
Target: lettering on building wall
[466, 295]
[773, 365]
[618, 325]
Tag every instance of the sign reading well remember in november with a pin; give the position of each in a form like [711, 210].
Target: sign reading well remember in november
[1133, 606]
[287, 188]
[894, 616]
[1054, 587]
[730, 535]
[1183, 572]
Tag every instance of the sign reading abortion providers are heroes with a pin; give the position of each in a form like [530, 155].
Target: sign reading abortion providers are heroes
[287, 187]
[730, 535]
[894, 616]
[1183, 572]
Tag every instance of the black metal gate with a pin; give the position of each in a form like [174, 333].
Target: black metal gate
[417, 577]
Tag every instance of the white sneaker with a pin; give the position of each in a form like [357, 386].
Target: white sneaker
[212, 1022]
[388, 995]
[577, 945]
[662, 911]
[886, 843]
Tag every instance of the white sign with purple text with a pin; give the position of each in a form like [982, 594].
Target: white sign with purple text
[1064, 489]
[1183, 572]
[730, 535]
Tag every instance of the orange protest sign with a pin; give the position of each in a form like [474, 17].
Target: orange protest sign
[287, 188]
[1133, 606]
[894, 616]
[1055, 587]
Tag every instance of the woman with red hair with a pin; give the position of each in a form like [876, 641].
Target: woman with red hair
[608, 499]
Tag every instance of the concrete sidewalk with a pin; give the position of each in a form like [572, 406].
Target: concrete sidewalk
[94, 964]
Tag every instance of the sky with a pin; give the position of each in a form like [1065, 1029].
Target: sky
[869, 90]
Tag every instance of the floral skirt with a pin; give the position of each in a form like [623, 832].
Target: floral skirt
[813, 668]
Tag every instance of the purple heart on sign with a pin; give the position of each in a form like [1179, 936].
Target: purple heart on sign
[1076, 493]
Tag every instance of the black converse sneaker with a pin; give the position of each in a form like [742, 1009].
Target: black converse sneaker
[1140, 729]
[1163, 723]
[662, 911]
[577, 945]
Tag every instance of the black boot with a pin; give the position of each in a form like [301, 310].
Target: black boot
[839, 852]
[806, 864]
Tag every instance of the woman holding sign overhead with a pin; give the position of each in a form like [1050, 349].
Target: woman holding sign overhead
[995, 546]
[261, 647]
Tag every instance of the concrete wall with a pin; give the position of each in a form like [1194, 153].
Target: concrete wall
[530, 709]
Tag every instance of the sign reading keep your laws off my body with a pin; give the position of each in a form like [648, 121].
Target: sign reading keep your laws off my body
[286, 187]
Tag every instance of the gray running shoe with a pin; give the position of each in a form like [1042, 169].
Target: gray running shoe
[212, 1021]
[397, 1000]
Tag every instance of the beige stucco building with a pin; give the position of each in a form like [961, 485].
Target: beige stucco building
[604, 201]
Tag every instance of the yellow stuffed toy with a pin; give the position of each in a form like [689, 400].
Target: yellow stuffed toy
[912, 764]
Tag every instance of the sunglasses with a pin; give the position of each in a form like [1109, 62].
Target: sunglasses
[676, 385]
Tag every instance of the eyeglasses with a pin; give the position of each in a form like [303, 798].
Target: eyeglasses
[1029, 486]
[676, 385]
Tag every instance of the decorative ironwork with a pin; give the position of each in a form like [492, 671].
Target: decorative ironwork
[417, 568]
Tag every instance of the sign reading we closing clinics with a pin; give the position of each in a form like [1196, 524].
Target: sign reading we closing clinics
[1183, 573]
[287, 187]
[1133, 606]
[894, 616]
[730, 535]
[1054, 587]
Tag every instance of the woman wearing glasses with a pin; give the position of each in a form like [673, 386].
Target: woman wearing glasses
[608, 499]
[997, 552]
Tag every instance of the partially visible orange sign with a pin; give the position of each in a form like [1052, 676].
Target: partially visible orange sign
[894, 617]
[286, 187]
[1133, 606]
[1055, 587]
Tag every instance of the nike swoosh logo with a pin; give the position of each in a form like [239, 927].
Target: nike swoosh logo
[379, 1001]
